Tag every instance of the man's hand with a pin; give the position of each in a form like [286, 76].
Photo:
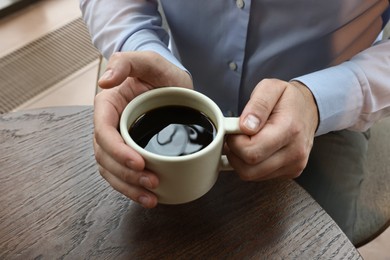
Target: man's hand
[279, 123]
[127, 75]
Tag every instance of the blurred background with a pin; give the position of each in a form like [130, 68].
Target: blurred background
[47, 59]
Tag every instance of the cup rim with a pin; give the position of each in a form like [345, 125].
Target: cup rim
[154, 93]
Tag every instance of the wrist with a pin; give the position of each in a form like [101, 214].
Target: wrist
[310, 101]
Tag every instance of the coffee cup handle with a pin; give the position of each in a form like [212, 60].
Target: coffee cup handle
[232, 126]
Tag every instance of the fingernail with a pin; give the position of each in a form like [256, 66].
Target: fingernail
[144, 200]
[251, 122]
[107, 75]
[145, 182]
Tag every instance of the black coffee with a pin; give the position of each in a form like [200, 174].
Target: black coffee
[173, 131]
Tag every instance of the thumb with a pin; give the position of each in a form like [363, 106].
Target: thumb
[263, 99]
[147, 66]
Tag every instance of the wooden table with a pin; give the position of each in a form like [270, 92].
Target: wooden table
[54, 204]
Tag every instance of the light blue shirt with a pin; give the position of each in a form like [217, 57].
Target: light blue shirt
[230, 46]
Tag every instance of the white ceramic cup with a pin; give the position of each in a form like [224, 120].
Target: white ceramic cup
[188, 177]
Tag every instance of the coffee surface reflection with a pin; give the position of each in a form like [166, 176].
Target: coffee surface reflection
[173, 131]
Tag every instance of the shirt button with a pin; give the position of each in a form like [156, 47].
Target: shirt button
[240, 3]
[233, 66]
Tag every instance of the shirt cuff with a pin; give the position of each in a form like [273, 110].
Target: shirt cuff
[338, 94]
[147, 40]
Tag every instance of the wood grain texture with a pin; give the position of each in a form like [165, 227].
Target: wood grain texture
[54, 204]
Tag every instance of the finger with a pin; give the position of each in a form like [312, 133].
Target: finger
[254, 149]
[139, 178]
[108, 138]
[251, 172]
[284, 172]
[284, 163]
[112, 143]
[147, 66]
[260, 105]
[146, 198]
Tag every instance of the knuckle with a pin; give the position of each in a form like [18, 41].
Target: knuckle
[252, 157]
[268, 81]
[116, 155]
[245, 175]
[299, 159]
[116, 55]
[272, 82]
[295, 174]
[98, 155]
[153, 56]
[261, 104]
[98, 98]
[125, 176]
[300, 154]
[97, 135]
[294, 127]
[97, 147]
[299, 168]
[103, 172]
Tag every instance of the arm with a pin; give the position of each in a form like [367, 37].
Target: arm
[360, 90]
[128, 74]
[280, 117]
[130, 33]
[124, 25]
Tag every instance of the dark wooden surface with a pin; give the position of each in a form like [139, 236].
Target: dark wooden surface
[54, 204]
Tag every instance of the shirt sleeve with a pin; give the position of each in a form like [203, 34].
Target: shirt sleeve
[354, 94]
[124, 25]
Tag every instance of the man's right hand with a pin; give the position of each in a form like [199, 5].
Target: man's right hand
[128, 74]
